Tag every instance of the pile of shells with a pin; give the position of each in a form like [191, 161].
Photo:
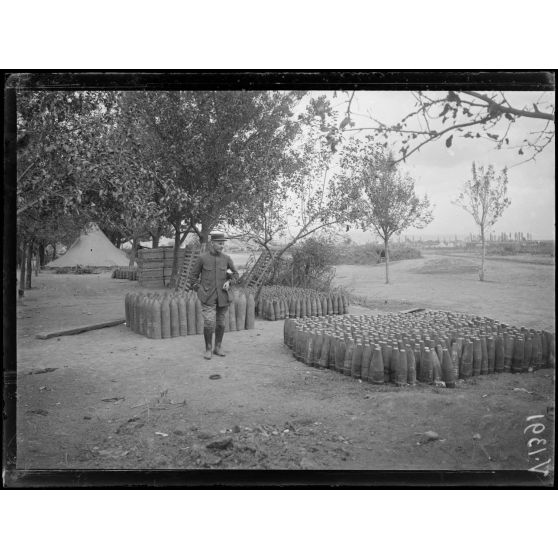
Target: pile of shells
[163, 315]
[277, 303]
[430, 347]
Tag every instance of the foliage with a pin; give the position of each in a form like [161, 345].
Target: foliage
[301, 203]
[485, 198]
[381, 196]
[311, 264]
[215, 148]
[60, 136]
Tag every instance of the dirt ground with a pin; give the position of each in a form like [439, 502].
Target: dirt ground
[112, 399]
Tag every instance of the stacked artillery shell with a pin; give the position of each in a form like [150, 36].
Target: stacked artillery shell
[429, 347]
[161, 316]
[277, 303]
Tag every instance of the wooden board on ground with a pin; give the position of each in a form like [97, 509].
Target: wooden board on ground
[81, 329]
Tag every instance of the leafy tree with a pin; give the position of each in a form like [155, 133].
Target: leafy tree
[57, 133]
[126, 198]
[243, 143]
[40, 226]
[300, 203]
[80, 163]
[452, 115]
[159, 139]
[214, 150]
[380, 196]
[485, 197]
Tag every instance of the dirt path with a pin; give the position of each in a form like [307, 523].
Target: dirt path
[114, 399]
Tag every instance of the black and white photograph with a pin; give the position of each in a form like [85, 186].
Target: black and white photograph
[298, 277]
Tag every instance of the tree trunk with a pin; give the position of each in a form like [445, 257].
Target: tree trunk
[42, 255]
[36, 261]
[274, 268]
[387, 259]
[28, 265]
[205, 230]
[174, 273]
[483, 252]
[155, 240]
[22, 267]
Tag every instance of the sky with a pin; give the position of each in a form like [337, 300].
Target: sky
[440, 172]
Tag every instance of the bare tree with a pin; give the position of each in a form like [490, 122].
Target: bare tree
[381, 196]
[485, 198]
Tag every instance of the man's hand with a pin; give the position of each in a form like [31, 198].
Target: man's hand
[227, 285]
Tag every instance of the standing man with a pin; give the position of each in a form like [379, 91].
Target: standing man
[217, 270]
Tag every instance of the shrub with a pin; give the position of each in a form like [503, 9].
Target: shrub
[309, 266]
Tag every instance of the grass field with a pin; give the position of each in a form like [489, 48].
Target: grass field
[516, 291]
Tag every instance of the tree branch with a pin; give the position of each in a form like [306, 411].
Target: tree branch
[511, 110]
[439, 135]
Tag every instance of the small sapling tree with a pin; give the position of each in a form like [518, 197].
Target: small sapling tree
[485, 197]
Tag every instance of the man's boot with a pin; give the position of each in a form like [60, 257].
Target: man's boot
[219, 332]
[208, 336]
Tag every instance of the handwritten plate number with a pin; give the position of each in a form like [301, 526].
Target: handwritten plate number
[537, 427]
[536, 468]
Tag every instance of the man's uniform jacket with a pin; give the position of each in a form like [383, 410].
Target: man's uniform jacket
[213, 270]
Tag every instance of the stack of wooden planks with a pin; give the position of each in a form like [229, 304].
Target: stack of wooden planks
[155, 266]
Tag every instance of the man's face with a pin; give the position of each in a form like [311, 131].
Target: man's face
[218, 245]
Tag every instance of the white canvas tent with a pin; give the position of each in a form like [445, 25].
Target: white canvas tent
[92, 249]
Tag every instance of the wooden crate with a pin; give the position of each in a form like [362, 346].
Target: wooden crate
[155, 266]
[152, 264]
[151, 254]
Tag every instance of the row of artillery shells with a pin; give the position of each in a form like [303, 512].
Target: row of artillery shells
[160, 316]
[278, 302]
